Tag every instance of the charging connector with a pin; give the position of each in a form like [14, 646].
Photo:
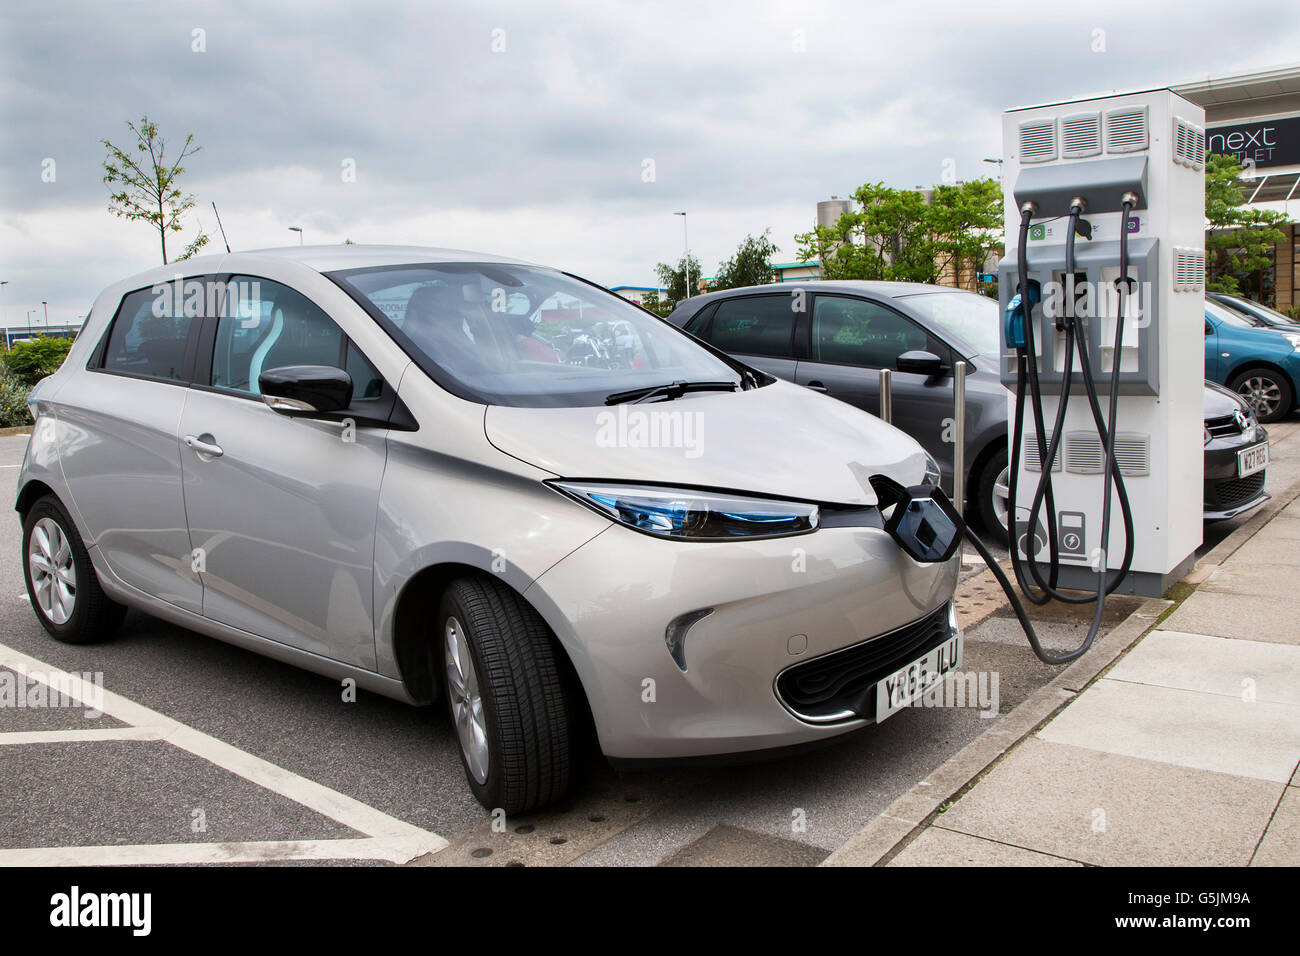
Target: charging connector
[1019, 336]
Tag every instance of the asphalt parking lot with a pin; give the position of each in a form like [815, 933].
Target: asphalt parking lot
[200, 752]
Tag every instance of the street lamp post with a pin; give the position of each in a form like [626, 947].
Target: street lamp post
[298, 230]
[686, 260]
[47, 314]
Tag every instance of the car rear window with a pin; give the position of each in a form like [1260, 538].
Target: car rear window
[146, 339]
[758, 325]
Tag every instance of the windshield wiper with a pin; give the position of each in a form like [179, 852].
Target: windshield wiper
[671, 390]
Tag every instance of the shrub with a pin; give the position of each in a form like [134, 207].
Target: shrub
[32, 360]
[13, 400]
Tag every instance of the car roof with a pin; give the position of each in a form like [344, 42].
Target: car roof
[890, 290]
[689, 308]
[321, 259]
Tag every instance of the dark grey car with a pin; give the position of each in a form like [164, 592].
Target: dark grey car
[836, 336]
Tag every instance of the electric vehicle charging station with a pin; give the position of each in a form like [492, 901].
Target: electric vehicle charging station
[1090, 184]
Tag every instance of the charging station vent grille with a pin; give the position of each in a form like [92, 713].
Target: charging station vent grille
[1189, 270]
[1029, 453]
[1126, 129]
[1080, 135]
[1084, 454]
[1189, 144]
[1037, 141]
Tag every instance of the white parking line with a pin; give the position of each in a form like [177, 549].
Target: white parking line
[87, 734]
[176, 854]
[387, 838]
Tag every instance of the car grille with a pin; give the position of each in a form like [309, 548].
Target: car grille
[839, 685]
[1238, 491]
[1223, 426]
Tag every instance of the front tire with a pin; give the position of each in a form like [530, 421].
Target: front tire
[512, 715]
[61, 581]
[1267, 391]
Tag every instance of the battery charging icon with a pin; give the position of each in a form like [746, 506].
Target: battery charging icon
[1072, 533]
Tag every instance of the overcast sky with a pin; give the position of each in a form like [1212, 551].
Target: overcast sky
[750, 113]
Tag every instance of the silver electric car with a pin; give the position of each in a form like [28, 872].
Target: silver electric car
[454, 476]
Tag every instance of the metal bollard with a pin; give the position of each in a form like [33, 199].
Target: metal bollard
[959, 436]
[886, 395]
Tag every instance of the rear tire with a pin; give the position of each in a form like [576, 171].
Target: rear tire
[1267, 391]
[991, 498]
[61, 581]
[505, 694]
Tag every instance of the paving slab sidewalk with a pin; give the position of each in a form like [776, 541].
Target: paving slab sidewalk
[1185, 752]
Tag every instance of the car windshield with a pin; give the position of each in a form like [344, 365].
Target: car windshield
[965, 316]
[1221, 313]
[1260, 311]
[506, 334]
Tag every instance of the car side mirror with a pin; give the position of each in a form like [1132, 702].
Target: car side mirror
[920, 362]
[306, 390]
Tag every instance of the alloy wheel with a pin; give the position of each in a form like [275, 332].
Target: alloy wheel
[1002, 496]
[54, 575]
[1263, 394]
[466, 700]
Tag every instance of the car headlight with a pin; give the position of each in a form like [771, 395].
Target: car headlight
[1294, 339]
[693, 515]
[932, 472]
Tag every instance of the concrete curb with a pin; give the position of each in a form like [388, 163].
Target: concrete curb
[900, 822]
[907, 817]
[15, 430]
[1225, 548]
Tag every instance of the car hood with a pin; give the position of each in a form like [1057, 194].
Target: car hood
[781, 440]
[1219, 402]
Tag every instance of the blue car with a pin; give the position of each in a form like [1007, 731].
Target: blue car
[1262, 365]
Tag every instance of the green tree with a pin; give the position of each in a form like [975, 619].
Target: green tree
[673, 279]
[750, 265]
[1239, 245]
[885, 237]
[33, 359]
[966, 226]
[652, 303]
[905, 235]
[143, 182]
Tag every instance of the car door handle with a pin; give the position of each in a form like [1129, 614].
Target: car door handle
[204, 446]
[818, 387]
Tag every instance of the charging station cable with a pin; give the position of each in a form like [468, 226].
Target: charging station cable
[1019, 334]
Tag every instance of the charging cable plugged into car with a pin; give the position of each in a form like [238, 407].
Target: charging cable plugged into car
[923, 521]
[1142, 267]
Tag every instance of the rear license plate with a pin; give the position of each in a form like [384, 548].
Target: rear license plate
[896, 691]
[1251, 460]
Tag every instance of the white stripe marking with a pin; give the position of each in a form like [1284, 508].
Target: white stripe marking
[86, 734]
[176, 854]
[393, 837]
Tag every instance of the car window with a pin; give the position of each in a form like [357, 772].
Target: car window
[1226, 316]
[856, 332]
[265, 325]
[147, 338]
[506, 334]
[757, 325]
[968, 317]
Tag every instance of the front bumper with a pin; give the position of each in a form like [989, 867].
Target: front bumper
[1226, 495]
[774, 603]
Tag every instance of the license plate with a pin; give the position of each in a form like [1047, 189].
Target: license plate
[1251, 460]
[899, 689]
